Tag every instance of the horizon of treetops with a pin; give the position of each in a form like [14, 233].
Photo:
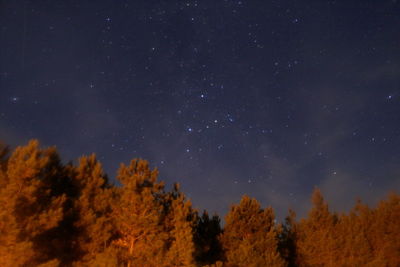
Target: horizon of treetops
[56, 214]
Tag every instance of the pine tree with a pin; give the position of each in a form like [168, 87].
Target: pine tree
[138, 214]
[385, 231]
[179, 220]
[288, 239]
[30, 209]
[209, 248]
[350, 232]
[92, 209]
[250, 237]
[316, 241]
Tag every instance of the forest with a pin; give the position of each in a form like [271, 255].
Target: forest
[56, 214]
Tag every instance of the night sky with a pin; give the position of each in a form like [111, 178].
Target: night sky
[265, 98]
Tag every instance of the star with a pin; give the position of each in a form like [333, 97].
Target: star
[14, 99]
[226, 95]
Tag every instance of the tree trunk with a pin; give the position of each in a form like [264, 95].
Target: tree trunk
[130, 251]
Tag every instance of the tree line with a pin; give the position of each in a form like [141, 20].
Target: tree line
[55, 214]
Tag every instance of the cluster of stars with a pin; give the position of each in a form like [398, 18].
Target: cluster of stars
[229, 85]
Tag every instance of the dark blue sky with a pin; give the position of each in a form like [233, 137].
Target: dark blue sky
[266, 98]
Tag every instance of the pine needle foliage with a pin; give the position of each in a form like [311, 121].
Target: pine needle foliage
[54, 214]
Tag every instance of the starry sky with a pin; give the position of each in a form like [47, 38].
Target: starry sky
[265, 98]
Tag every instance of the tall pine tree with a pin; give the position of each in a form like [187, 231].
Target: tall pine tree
[30, 209]
[316, 245]
[179, 221]
[209, 248]
[250, 237]
[138, 215]
[92, 210]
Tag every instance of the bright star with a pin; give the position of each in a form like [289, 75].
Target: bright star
[14, 99]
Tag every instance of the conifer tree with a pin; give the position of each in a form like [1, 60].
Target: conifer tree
[30, 209]
[350, 233]
[92, 208]
[385, 231]
[209, 248]
[316, 242]
[179, 220]
[250, 237]
[288, 239]
[138, 214]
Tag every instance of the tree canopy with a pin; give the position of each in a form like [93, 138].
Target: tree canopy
[55, 214]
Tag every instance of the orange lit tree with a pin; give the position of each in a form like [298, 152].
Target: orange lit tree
[250, 236]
